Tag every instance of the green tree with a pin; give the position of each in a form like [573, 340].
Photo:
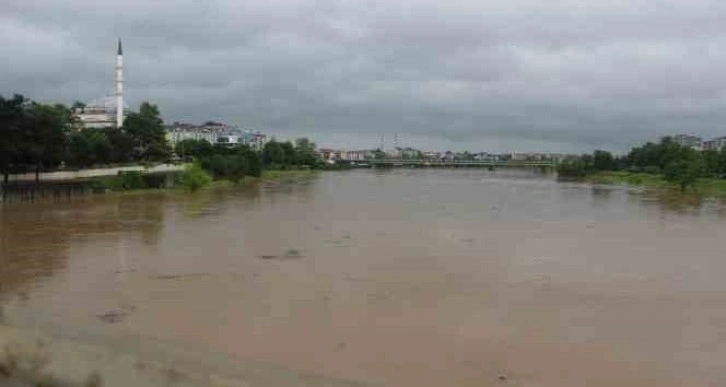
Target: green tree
[89, 147]
[194, 148]
[273, 153]
[289, 155]
[305, 153]
[603, 161]
[655, 157]
[45, 133]
[711, 162]
[575, 168]
[122, 145]
[147, 130]
[684, 172]
[194, 177]
[12, 113]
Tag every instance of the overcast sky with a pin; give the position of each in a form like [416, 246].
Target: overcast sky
[489, 75]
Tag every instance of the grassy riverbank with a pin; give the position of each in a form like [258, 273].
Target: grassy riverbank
[132, 182]
[704, 186]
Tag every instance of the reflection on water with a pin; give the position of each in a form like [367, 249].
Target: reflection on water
[407, 277]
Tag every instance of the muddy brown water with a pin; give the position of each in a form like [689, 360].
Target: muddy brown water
[400, 277]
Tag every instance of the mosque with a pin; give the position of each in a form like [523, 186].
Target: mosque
[107, 111]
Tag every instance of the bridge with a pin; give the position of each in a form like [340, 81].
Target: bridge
[453, 163]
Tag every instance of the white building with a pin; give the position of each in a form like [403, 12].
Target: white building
[689, 141]
[180, 131]
[107, 111]
[99, 113]
[215, 133]
[715, 145]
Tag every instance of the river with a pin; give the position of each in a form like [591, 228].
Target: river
[458, 277]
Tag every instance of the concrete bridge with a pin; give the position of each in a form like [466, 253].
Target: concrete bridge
[453, 163]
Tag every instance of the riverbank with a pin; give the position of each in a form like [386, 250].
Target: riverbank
[132, 182]
[704, 186]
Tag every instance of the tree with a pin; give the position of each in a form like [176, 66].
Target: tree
[576, 168]
[194, 177]
[122, 145]
[78, 105]
[147, 130]
[193, 148]
[684, 172]
[273, 153]
[711, 161]
[657, 156]
[305, 153]
[289, 155]
[12, 112]
[89, 147]
[45, 133]
[602, 161]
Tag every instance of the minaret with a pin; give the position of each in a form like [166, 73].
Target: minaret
[119, 86]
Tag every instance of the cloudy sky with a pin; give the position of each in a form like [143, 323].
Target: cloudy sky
[490, 75]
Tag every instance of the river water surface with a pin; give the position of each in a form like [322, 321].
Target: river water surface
[399, 277]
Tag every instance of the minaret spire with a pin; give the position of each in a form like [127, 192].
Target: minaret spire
[119, 85]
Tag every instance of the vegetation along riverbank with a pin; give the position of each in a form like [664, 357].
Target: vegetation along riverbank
[37, 138]
[662, 165]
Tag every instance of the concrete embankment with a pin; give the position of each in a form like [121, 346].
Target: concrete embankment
[31, 358]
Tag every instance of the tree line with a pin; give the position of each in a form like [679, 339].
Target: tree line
[678, 164]
[235, 162]
[36, 136]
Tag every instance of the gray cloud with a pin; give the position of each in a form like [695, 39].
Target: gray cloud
[561, 75]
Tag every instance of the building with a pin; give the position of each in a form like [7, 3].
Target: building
[107, 111]
[409, 153]
[431, 156]
[98, 113]
[715, 145]
[689, 141]
[215, 133]
[330, 155]
[254, 139]
[357, 155]
[182, 131]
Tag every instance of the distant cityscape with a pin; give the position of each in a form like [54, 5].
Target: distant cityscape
[110, 111]
[698, 143]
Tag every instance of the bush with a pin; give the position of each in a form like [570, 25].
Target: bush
[132, 180]
[685, 173]
[155, 180]
[574, 169]
[194, 177]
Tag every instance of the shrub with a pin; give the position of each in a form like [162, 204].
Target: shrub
[154, 180]
[576, 169]
[132, 180]
[194, 177]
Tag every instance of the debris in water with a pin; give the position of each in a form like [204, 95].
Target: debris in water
[113, 316]
[267, 256]
[178, 276]
[292, 253]
[502, 378]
